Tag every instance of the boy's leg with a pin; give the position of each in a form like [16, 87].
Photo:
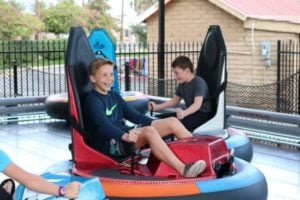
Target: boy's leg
[193, 121]
[161, 150]
[171, 125]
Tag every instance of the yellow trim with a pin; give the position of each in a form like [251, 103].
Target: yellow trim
[129, 98]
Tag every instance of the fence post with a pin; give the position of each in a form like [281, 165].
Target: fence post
[11, 118]
[15, 78]
[161, 50]
[278, 76]
[127, 78]
[298, 69]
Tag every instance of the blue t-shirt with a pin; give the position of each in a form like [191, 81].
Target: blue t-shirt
[4, 160]
[104, 118]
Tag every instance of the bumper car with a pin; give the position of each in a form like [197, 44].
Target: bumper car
[143, 176]
[212, 68]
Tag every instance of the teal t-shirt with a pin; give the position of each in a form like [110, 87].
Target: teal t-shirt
[4, 160]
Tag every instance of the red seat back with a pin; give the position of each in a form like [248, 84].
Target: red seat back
[79, 55]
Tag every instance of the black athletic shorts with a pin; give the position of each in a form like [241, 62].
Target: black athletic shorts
[192, 121]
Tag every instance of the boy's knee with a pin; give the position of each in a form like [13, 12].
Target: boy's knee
[148, 130]
[168, 122]
[172, 120]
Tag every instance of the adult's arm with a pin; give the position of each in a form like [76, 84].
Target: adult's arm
[39, 184]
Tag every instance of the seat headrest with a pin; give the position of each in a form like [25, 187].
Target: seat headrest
[212, 58]
[79, 55]
[78, 58]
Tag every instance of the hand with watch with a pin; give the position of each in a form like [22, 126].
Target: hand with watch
[61, 191]
[69, 191]
[35, 182]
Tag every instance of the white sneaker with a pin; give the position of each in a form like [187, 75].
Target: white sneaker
[194, 169]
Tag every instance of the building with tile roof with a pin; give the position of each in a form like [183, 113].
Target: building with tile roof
[247, 26]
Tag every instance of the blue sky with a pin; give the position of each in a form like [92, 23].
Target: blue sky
[129, 14]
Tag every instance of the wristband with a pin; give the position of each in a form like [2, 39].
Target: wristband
[61, 191]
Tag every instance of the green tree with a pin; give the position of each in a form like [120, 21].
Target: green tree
[59, 18]
[140, 32]
[10, 21]
[98, 17]
[30, 25]
[15, 23]
[141, 5]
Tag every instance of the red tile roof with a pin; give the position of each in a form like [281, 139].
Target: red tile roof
[278, 10]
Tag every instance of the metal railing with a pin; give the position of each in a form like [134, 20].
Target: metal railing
[275, 127]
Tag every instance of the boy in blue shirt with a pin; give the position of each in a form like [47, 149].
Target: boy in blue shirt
[105, 111]
[193, 90]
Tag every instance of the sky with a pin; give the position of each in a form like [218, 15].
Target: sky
[116, 7]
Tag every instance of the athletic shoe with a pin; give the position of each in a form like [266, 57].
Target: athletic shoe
[194, 169]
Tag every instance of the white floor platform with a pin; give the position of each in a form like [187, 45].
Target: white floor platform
[37, 146]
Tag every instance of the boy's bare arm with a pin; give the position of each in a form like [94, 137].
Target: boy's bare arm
[38, 183]
[168, 104]
[191, 109]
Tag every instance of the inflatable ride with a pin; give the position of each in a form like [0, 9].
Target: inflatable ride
[142, 175]
[57, 105]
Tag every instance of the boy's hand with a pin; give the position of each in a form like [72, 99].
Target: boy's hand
[72, 190]
[179, 113]
[151, 106]
[132, 136]
[135, 131]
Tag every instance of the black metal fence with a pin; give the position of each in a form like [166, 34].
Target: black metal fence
[36, 68]
[142, 61]
[32, 68]
[288, 74]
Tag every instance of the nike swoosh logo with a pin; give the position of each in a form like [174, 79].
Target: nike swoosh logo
[109, 112]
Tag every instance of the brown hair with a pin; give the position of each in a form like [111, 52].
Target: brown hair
[183, 62]
[97, 63]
